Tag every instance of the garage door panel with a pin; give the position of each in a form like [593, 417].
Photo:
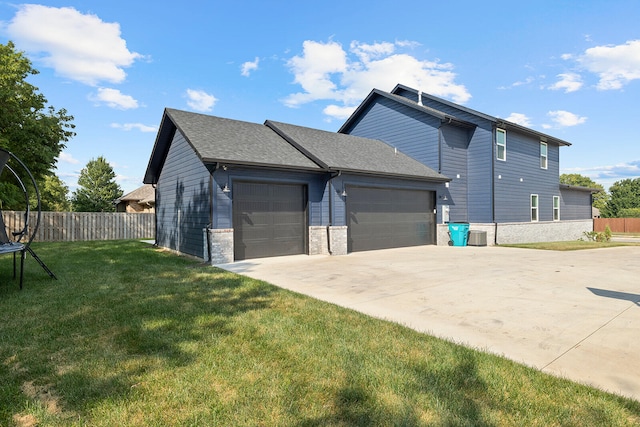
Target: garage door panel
[387, 218]
[270, 219]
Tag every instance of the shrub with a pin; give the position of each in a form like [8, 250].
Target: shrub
[629, 213]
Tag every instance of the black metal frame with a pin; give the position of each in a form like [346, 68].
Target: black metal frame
[17, 244]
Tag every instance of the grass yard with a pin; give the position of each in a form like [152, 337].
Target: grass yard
[570, 245]
[133, 336]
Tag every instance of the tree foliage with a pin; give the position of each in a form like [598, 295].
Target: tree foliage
[625, 194]
[599, 199]
[35, 132]
[97, 188]
[54, 194]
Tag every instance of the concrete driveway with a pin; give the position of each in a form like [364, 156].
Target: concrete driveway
[572, 314]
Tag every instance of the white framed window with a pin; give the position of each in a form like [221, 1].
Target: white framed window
[534, 208]
[556, 208]
[501, 144]
[543, 155]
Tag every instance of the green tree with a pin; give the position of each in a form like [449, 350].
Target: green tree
[30, 129]
[54, 194]
[625, 194]
[97, 188]
[599, 199]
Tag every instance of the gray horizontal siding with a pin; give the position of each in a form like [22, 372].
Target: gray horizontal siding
[479, 159]
[412, 132]
[575, 204]
[182, 205]
[454, 165]
[520, 176]
[479, 167]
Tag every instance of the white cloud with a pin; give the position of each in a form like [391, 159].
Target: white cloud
[325, 71]
[249, 66]
[313, 71]
[562, 118]
[77, 46]
[606, 175]
[68, 158]
[524, 82]
[114, 99]
[569, 82]
[366, 52]
[616, 65]
[338, 112]
[520, 119]
[131, 126]
[200, 100]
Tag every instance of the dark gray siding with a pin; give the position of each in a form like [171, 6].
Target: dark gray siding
[479, 159]
[318, 207]
[182, 199]
[575, 204]
[411, 131]
[479, 170]
[454, 165]
[521, 175]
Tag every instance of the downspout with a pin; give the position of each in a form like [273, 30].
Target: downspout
[155, 207]
[493, 185]
[329, 184]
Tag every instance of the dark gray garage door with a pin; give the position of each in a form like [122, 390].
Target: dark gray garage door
[268, 219]
[381, 218]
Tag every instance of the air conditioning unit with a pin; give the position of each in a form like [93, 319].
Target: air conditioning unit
[477, 238]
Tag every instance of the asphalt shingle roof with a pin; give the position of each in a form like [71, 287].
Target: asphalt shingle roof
[216, 139]
[281, 145]
[350, 153]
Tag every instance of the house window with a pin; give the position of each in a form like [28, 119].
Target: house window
[556, 208]
[534, 207]
[543, 155]
[501, 144]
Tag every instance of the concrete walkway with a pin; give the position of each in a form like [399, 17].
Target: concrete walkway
[572, 314]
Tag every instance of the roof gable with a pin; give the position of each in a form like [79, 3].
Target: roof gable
[496, 120]
[280, 145]
[375, 93]
[215, 139]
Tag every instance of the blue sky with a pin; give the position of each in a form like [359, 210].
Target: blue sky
[570, 69]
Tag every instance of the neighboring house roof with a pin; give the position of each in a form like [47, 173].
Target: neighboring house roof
[348, 153]
[280, 145]
[445, 116]
[142, 195]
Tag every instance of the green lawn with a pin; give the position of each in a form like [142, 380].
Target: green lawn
[571, 245]
[130, 335]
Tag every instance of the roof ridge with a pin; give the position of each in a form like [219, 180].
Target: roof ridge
[274, 127]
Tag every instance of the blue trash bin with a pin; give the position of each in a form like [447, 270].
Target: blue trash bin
[459, 233]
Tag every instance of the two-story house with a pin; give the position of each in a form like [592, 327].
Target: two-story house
[504, 176]
[402, 167]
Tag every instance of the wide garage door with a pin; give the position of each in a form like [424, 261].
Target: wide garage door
[268, 219]
[381, 218]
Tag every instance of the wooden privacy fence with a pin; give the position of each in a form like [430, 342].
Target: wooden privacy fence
[617, 225]
[79, 226]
